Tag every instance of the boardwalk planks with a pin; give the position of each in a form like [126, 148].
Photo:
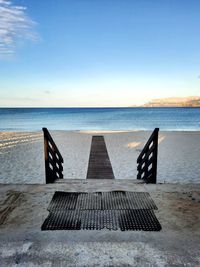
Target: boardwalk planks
[99, 166]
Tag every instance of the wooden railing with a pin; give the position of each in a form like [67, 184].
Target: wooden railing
[53, 159]
[147, 160]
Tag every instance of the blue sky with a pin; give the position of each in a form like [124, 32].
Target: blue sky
[98, 52]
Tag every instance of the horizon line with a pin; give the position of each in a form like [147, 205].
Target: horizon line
[106, 107]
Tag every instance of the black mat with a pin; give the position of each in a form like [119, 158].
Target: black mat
[124, 220]
[115, 200]
[99, 166]
[102, 210]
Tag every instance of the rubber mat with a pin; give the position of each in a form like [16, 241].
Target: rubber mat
[118, 200]
[115, 200]
[63, 200]
[99, 166]
[102, 210]
[144, 220]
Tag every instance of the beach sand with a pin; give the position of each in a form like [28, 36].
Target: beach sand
[22, 155]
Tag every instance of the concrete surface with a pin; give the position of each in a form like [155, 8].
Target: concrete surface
[23, 209]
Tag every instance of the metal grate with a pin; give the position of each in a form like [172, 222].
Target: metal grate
[102, 219]
[116, 200]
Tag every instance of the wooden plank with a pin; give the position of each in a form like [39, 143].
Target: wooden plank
[99, 166]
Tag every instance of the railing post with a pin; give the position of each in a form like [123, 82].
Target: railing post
[46, 156]
[153, 178]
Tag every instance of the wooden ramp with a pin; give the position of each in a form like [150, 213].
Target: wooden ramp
[99, 166]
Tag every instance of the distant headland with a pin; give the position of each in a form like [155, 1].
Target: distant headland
[191, 101]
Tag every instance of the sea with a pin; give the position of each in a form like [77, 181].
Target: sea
[33, 119]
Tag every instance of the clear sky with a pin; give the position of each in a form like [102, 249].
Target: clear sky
[98, 52]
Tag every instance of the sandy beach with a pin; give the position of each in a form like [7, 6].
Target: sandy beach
[22, 155]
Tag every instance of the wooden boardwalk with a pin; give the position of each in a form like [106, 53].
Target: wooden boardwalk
[99, 166]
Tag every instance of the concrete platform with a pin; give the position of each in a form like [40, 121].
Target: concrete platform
[23, 209]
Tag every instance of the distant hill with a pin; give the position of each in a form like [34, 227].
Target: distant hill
[192, 101]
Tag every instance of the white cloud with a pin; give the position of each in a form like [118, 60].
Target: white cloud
[15, 25]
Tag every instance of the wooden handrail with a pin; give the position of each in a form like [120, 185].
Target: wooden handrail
[143, 161]
[53, 159]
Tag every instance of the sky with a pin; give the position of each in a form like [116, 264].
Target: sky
[88, 53]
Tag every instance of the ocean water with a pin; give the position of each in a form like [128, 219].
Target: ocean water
[33, 119]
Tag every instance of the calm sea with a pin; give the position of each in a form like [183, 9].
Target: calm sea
[33, 119]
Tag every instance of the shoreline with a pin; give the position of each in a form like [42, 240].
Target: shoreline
[98, 131]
